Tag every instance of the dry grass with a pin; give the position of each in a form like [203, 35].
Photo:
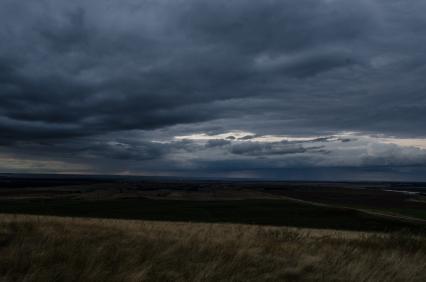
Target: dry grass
[34, 248]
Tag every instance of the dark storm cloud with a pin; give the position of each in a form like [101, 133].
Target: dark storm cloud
[78, 74]
[247, 137]
[94, 68]
[217, 143]
[264, 149]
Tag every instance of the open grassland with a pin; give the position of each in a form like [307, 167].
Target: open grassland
[303, 204]
[43, 248]
[281, 212]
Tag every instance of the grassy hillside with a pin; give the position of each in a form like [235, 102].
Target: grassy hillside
[39, 248]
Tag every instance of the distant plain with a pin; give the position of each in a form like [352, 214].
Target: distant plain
[118, 229]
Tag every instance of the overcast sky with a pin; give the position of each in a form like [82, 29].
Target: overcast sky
[307, 89]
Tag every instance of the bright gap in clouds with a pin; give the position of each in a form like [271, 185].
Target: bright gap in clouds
[239, 135]
[406, 142]
[243, 136]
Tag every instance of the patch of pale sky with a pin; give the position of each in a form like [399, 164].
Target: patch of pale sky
[239, 135]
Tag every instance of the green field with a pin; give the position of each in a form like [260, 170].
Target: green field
[262, 212]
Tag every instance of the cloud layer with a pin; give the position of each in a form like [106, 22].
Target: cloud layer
[101, 81]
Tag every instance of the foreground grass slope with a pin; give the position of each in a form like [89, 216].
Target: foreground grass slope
[40, 248]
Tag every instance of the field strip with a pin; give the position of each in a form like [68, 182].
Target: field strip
[365, 211]
[134, 224]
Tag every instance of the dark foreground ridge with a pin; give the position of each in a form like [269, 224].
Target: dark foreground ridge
[39, 248]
